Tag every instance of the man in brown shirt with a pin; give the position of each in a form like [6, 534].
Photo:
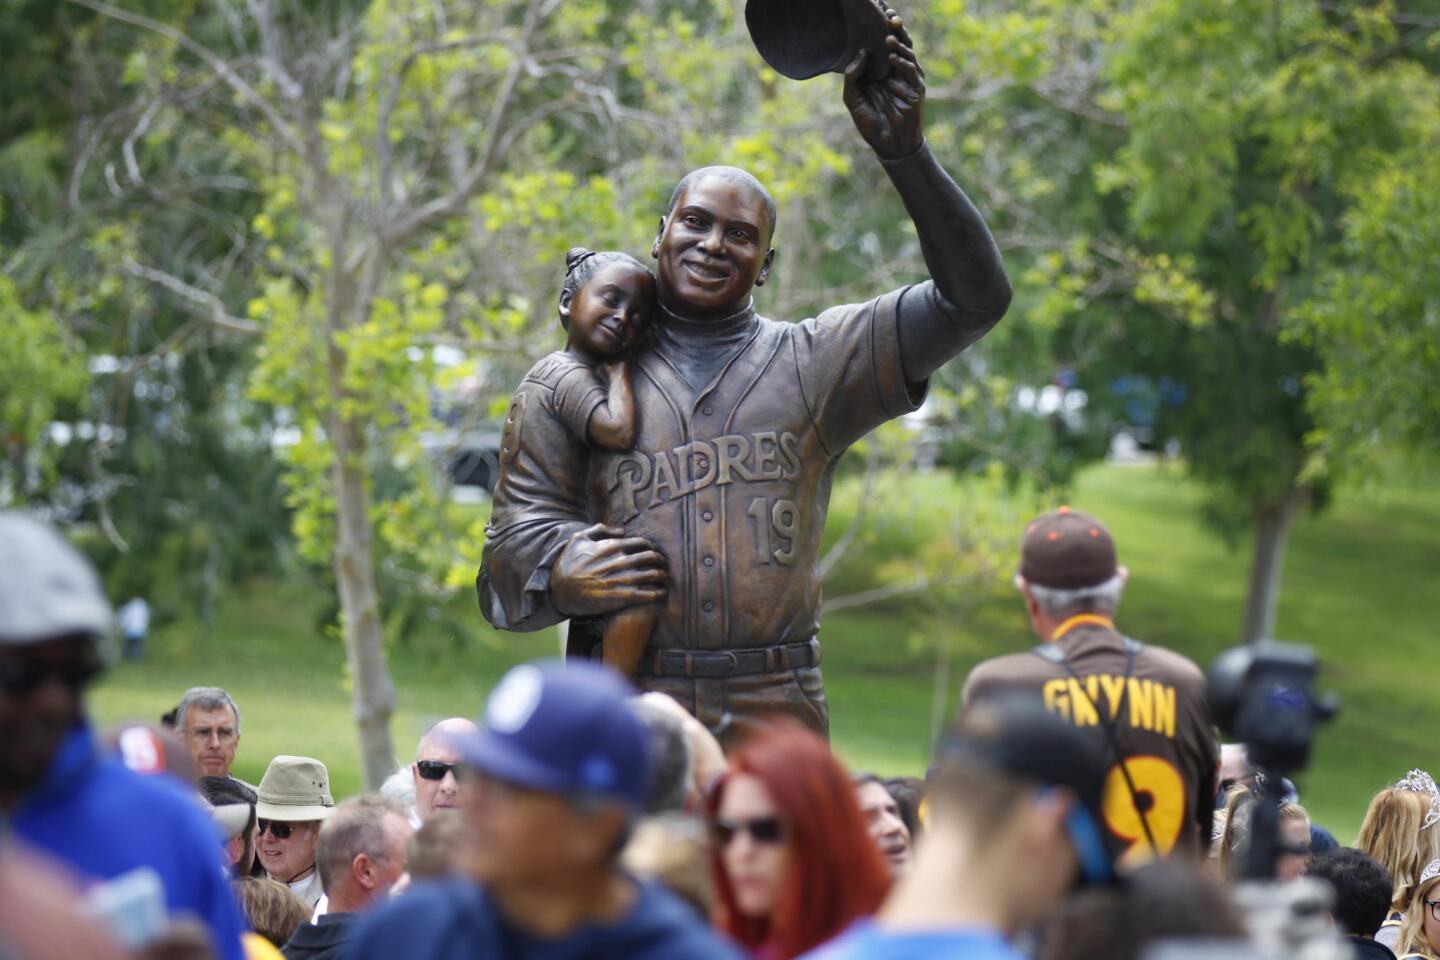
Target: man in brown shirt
[1143, 703]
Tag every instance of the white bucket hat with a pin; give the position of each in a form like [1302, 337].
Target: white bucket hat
[294, 789]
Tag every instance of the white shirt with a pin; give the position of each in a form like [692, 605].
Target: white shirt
[308, 889]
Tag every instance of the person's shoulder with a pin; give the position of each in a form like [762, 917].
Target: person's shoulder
[1177, 667]
[550, 369]
[864, 310]
[1022, 669]
[866, 941]
[436, 918]
[668, 927]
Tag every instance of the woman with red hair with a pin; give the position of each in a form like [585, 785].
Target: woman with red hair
[792, 857]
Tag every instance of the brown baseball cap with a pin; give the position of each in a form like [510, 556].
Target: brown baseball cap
[1067, 550]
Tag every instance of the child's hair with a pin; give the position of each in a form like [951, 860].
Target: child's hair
[1412, 929]
[1395, 835]
[582, 264]
[1235, 837]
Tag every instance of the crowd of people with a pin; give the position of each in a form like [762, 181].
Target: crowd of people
[1081, 806]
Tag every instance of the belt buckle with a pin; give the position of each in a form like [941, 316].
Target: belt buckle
[732, 662]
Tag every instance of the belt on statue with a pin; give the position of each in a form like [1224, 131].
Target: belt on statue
[719, 664]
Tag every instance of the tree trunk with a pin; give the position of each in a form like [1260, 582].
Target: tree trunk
[373, 692]
[940, 692]
[1272, 533]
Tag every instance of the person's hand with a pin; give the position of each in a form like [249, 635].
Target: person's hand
[601, 570]
[614, 369]
[889, 113]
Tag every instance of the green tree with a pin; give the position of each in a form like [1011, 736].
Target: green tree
[1189, 185]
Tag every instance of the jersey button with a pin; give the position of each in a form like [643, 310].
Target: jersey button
[709, 561]
[708, 607]
[707, 410]
[704, 464]
[708, 516]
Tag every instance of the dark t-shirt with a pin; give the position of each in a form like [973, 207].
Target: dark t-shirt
[325, 939]
[455, 920]
[1164, 732]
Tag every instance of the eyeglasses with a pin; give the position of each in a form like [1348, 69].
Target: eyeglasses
[763, 830]
[279, 829]
[1434, 906]
[22, 676]
[434, 769]
[224, 735]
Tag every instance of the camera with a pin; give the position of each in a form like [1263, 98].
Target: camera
[1262, 695]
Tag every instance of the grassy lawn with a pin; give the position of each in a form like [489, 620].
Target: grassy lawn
[1355, 583]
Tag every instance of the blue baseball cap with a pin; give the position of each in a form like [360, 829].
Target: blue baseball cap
[563, 727]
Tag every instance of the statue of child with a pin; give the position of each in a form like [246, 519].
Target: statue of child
[564, 407]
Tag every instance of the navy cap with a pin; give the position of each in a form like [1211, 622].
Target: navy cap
[1016, 735]
[563, 727]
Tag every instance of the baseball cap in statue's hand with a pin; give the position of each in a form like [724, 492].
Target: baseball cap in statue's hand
[1067, 550]
[563, 727]
[1016, 736]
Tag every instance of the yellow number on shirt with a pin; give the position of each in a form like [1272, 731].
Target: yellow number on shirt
[1156, 779]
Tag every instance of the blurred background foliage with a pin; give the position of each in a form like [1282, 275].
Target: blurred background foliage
[256, 256]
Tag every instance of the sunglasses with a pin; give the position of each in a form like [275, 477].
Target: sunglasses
[435, 769]
[21, 676]
[279, 829]
[764, 830]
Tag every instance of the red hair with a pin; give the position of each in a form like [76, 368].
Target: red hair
[836, 874]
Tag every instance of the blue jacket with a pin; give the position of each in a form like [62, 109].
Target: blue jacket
[456, 920]
[103, 819]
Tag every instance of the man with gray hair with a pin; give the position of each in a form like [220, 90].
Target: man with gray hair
[360, 855]
[1144, 704]
[210, 721]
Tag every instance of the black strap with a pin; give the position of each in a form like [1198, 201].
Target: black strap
[1052, 653]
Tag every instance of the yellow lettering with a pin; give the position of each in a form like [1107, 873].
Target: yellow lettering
[1085, 715]
[1165, 710]
[1114, 692]
[1056, 699]
[1142, 708]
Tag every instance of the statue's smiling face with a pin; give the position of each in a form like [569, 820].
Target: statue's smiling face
[713, 247]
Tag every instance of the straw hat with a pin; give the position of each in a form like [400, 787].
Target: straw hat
[295, 789]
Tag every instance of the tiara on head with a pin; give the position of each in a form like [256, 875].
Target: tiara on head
[1431, 871]
[1418, 781]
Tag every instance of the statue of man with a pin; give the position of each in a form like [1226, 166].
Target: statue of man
[716, 511]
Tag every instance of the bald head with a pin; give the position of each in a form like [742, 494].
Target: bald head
[731, 175]
[436, 787]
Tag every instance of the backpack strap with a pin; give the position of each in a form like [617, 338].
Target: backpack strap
[1051, 653]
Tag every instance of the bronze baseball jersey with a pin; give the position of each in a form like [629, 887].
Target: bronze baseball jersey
[731, 480]
[1162, 726]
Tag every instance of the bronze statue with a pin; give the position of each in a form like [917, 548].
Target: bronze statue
[715, 514]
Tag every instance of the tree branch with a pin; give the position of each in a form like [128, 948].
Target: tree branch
[454, 202]
[217, 63]
[195, 296]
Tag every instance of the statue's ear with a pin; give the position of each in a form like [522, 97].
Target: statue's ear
[655, 247]
[567, 298]
[765, 267]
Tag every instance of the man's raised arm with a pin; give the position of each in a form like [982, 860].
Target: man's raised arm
[970, 291]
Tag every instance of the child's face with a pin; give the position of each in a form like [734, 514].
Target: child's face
[611, 310]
